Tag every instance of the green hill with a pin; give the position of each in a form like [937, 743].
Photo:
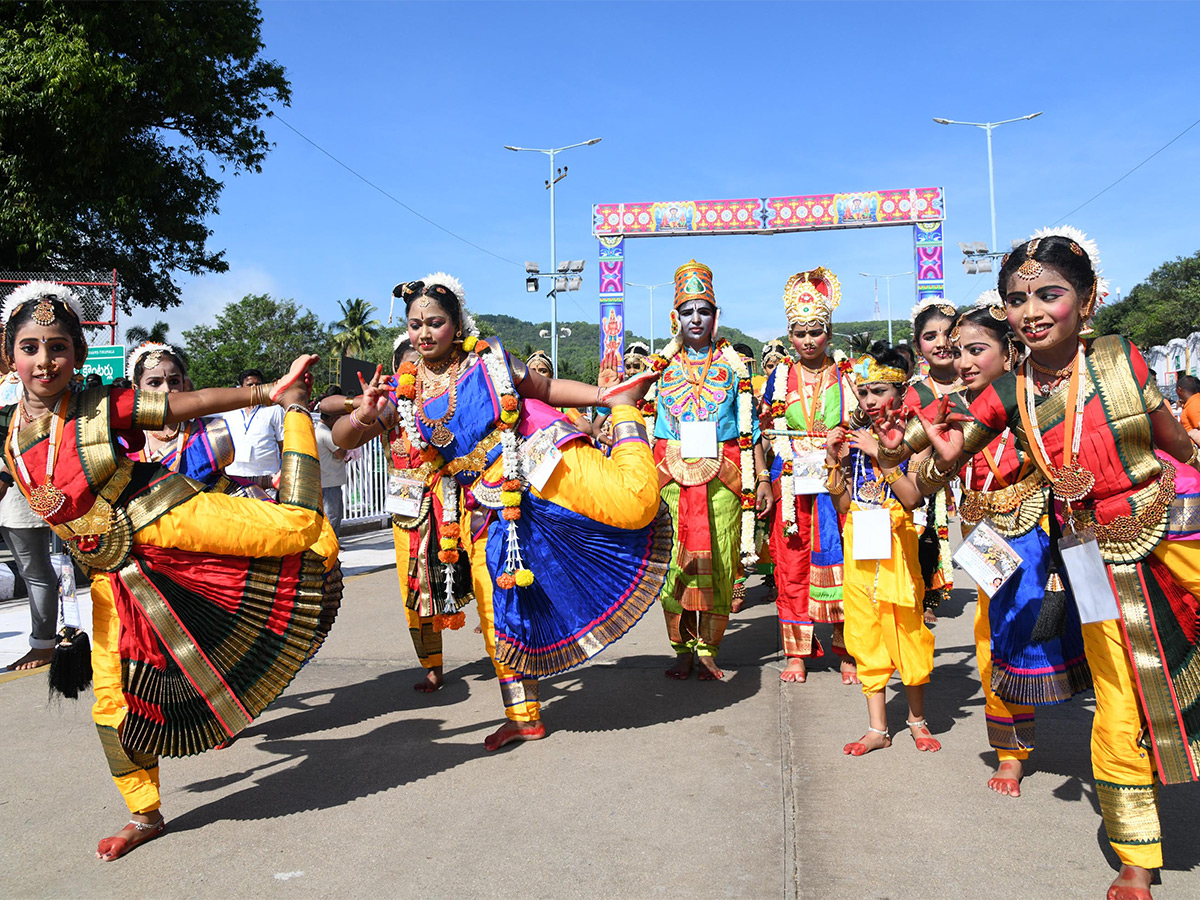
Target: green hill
[579, 354]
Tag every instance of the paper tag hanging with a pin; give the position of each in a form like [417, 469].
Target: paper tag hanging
[404, 495]
[541, 459]
[988, 558]
[1088, 577]
[68, 598]
[698, 440]
[808, 471]
[872, 534]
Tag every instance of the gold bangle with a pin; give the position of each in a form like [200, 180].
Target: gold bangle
[1194, 459]
[835, 488]
[349, 404]
[763, 477]
[889, 457]
[929, 479]
[259, 395]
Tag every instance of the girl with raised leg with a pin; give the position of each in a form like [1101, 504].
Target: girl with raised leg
[204, 605]
[567, 547]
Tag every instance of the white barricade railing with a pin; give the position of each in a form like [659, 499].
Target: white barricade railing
[366, 485]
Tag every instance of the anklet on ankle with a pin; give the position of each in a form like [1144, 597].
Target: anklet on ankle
[884, 731]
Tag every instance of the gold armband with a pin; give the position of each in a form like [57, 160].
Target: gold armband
[891, 476]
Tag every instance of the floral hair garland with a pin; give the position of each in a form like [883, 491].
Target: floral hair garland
[729, 356]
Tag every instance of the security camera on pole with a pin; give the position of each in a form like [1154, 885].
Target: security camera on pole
[565, 274]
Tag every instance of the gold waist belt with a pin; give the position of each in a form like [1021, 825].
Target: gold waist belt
[1130, 538]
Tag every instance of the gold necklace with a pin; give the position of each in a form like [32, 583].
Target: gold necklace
[45, 499]
[440, 435]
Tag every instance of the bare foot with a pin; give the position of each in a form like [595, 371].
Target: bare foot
[1132, 884]
[739, 597]
[922, 737]
[682, 668]
[131, 836]
[872, 740]
[479, 629]
[1007, 779]
[514, 731]
[709, 670]
[930, 617]
[794, 671]
[34, 659]
[849, 672]
[432, 681]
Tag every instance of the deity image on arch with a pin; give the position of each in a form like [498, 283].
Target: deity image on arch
[613, 330]
[676, 216]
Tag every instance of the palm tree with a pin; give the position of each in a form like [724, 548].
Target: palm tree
[156, 333]
[357, 330]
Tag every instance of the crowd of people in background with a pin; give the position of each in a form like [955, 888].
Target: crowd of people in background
[564, 511]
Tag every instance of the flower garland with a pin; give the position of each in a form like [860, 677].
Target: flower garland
[516, 573]
[783, 445]
[729, 356]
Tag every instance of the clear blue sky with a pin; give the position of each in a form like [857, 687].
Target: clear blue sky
[701, 101]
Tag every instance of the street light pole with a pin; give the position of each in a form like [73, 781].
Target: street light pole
[888, 278]
[550, 182]
[651, 288]
[989, 127]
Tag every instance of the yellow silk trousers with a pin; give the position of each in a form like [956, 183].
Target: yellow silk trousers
[885, 628]
[205, 523]
[1009, 725]
[426, 641]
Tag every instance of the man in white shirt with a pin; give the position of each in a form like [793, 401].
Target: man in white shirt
[257, 437]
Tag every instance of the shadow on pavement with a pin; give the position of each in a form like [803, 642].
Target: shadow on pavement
[313, 772]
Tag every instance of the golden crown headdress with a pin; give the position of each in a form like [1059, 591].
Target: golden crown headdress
[812, 296]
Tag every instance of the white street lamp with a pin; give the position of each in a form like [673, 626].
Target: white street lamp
[888, 278]
[988, 127]
[560, 284]
[650, 287]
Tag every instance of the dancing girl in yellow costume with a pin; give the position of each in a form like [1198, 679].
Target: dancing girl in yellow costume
[1088, 412]
[204, 605]
[567, 548]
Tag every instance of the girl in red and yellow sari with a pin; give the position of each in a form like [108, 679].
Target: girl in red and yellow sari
[801, 404]
[710, 469]
[931, 324]
[204, 605]
[1022, 662]
[567, 548]
[882, 590]
[1089, 414]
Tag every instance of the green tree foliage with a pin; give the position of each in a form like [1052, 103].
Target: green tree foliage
[156, 333]
[111, 115]
[1164, 306]
[356, 331]
[257, 332]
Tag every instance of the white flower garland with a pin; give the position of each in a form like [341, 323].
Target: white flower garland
[408, 422]
[514, 467]
[449, 516]
[783, 448]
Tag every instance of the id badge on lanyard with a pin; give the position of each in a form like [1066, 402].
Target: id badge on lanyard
[872, 533]
[404, 495]
[988, 558]
[1088, 576]
[698, 440]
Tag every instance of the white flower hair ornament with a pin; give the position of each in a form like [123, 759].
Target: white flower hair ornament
[1089, 249]
[43, 291]
[152, 351]
[446, 280]
[946, 309]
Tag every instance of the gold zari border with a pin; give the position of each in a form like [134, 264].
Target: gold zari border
[1130, 812]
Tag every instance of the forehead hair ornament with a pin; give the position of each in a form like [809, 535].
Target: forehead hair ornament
[152, 352]
[946, 309]
[1031, 268]
[44, 292]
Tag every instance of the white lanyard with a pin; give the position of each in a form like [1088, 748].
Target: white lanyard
[51, 451]
[987, 483]
[1080, 399]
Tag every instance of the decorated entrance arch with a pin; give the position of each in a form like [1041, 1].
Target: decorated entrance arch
[922, 209]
